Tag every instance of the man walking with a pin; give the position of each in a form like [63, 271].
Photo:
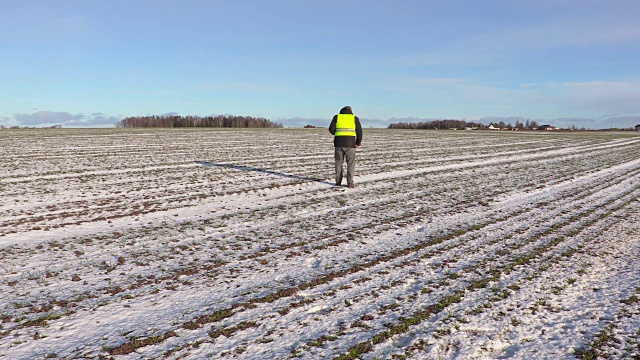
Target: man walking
[347, 133]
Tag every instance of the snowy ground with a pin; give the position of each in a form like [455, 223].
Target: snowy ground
[205, 244]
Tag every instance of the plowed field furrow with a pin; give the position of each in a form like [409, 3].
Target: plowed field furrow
[209, 243]
[250, 316]
[306, 219]
[517, 296]
[274, 248]
[169, 200]
[385, 296]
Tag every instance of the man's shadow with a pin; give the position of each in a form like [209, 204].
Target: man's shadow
[264, 171]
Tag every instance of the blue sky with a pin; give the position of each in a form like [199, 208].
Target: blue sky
[90, 63]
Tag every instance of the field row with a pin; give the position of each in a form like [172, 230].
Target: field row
[213, 244]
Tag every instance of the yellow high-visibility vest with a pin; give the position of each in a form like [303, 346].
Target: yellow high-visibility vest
[346, 125]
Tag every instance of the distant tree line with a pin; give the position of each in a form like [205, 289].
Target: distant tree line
[13, 127]
[461, 124]
[436, 124]
[173, 121]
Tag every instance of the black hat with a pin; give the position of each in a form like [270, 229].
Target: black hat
[346, 110]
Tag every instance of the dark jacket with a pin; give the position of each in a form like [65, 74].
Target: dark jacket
[346, 141]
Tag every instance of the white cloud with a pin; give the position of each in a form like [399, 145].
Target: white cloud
[301, 122]
[588, 99]
[48, 118]
[596, 97]
[365, 122]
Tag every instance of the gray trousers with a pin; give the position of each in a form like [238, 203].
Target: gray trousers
[348, 154]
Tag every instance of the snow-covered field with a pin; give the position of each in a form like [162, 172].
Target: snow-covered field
[204, 244]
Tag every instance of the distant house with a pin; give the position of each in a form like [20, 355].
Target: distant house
[637, 127]
[548, 127]
[491, 127]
